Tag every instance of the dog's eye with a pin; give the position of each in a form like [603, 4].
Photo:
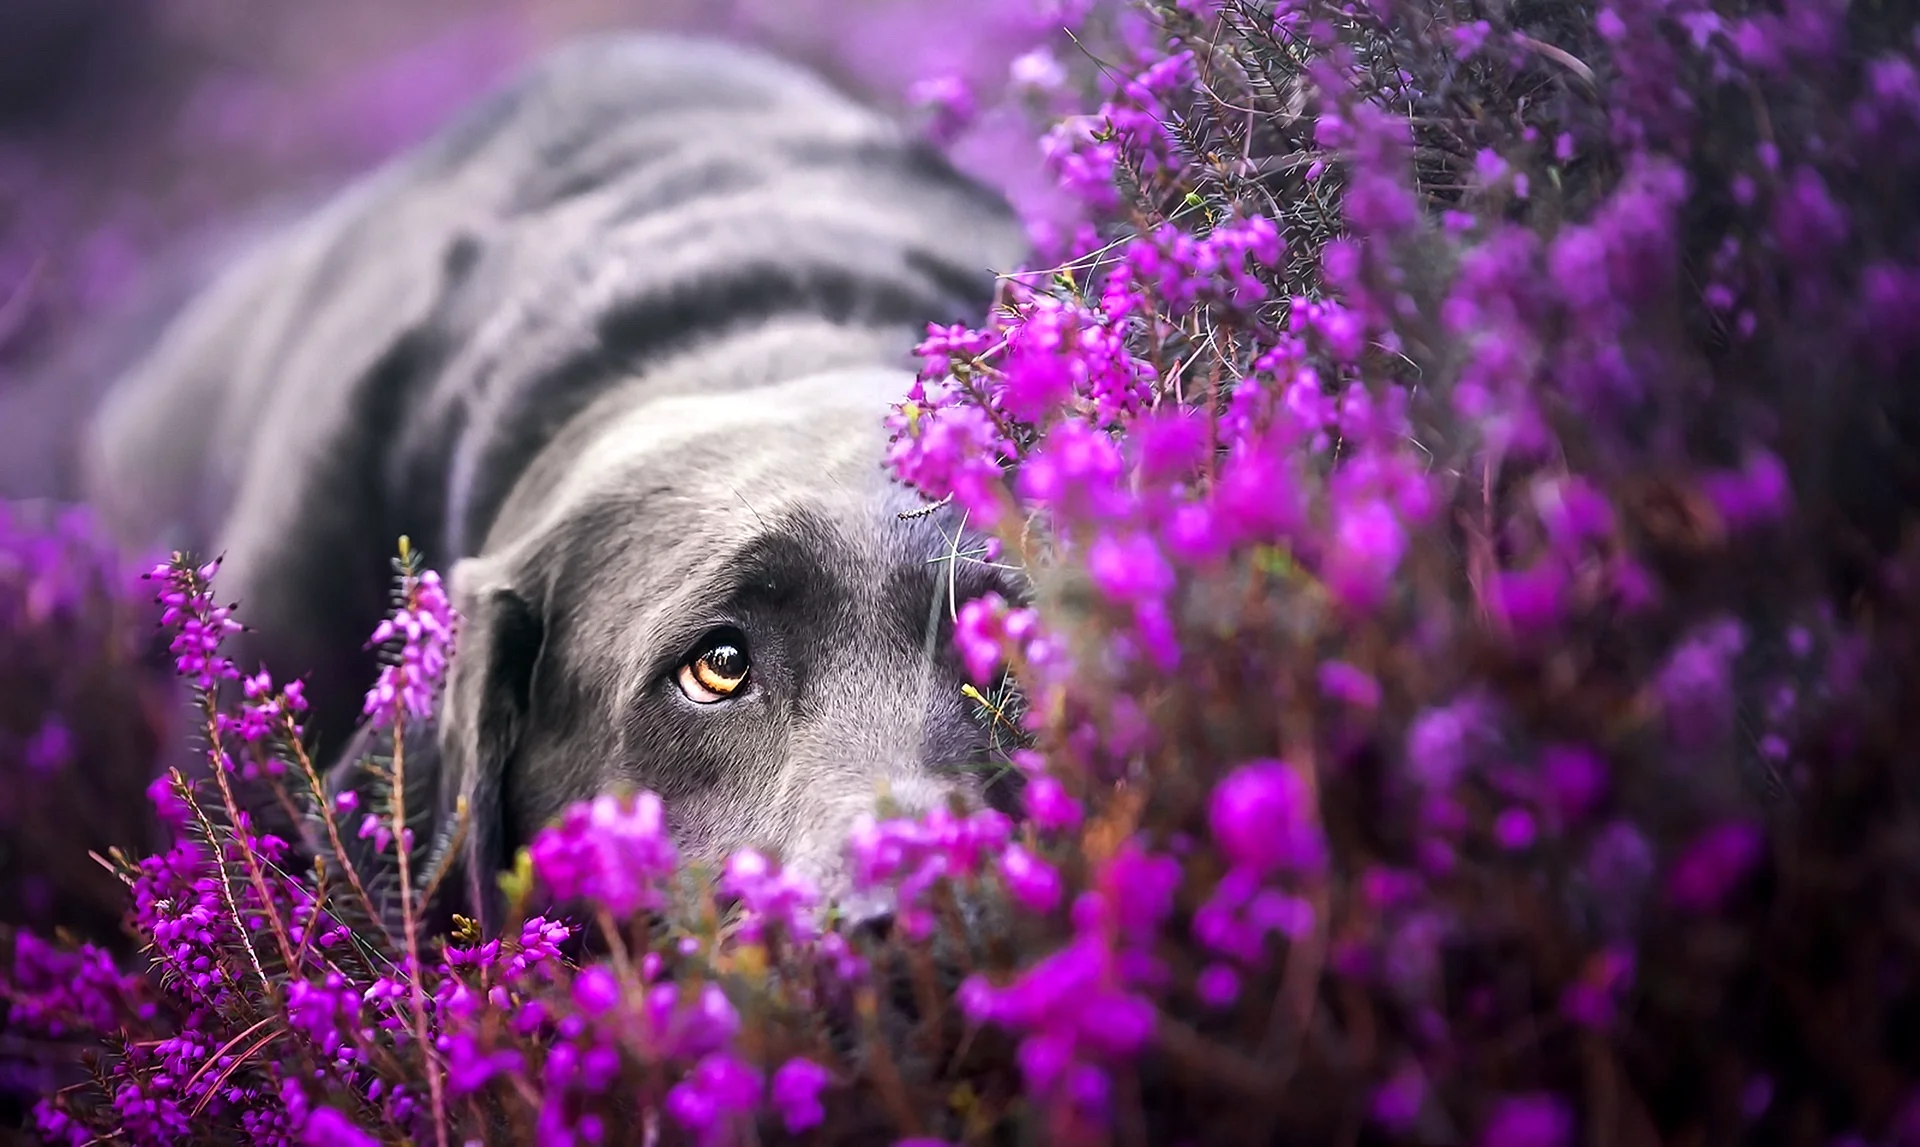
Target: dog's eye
[716, 669]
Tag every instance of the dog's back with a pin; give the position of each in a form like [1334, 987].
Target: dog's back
[390, 364]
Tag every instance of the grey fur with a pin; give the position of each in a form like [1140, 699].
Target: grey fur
[614, 350]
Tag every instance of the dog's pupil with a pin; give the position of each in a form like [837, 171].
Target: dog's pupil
[726, 661]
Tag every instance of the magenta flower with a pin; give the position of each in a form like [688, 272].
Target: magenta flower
[425, 629]
[910, 856]
[950, 104]
[1070, 1004]
[769, 895]
[1263, 817]
[1708, 871]
[199, 627]
[719, 1091]
[980, 635]
[1032, 881]
[1129, 568]
[327, 1127]
[1218, 986]
[1514, 829]
[614, 851]
[948, 448]
[1591, 1000]
[1575, 778]
[1756, 494]
[1349, 684]
[1695, 686]
[51, 748]
[1050, 807]
[796, 1093]
[1397, 1102]
[1528, 1121]
[707, 1022]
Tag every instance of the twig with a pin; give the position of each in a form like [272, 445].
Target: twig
[401, 847]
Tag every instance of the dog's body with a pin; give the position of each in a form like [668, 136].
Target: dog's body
[614, 350]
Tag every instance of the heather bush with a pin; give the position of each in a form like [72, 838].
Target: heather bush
[1461, 456]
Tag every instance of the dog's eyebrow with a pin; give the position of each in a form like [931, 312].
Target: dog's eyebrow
[794, 553]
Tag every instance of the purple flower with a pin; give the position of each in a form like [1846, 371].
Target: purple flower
[1442, 741]
[1514, 829]
[1075, 468]
[1709, 869]
[1129, 568]
[945, 446]
[1620, 866]
[944, 344]
[326, 1127]
[1168, 445]
[615, 852]
[1468, 39]
[1240, 916]
[1038, 71]
[596, 991]
[1807, 222]
[720, 1090]
[1049, 805]
[1696, 683]
[950, 102]
[767, 894]
[1591, 999]
[1397, 1102]
[707, 1024]
[1035, 381]
[540, 941]
[1528, 1121]
[979, 634]
[1574, 779]
[1068, 1001]
[51, 748]
[911, 856]
[1032, 881]
[796, 1093]
[57, 992]
[1256, 499]
[1218, 986]
[1349, 684]
[199, 627]
[1134, 892]
[425, 629]
[1368, 543]
[1528, 600]
[262, 711]
[1264, 817]
[1756, 494]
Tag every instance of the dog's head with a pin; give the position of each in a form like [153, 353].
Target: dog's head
[717, 598]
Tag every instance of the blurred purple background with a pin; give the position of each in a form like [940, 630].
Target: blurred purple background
[134, 131]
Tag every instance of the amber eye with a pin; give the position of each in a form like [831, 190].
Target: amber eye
[716, 669]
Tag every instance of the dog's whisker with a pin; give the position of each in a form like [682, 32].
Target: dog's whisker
[748, 505]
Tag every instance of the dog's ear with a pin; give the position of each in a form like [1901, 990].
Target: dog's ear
[484, 718]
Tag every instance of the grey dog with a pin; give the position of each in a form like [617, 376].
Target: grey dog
[614, 349]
